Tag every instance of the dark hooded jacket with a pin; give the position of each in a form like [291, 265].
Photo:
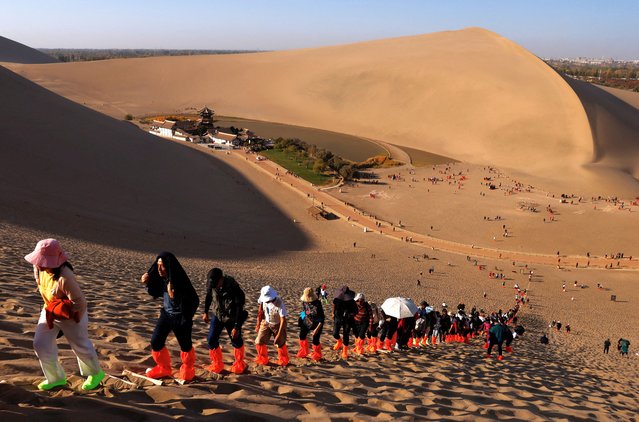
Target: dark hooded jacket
[344, 306]
[185, 300]
[227, 302]
[500, 333]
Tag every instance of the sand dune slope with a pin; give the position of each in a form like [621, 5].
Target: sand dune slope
[615, 127]
[68, 169]
[470, 94]
[14, 52]
[570, 379]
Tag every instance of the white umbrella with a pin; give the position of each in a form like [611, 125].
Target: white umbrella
[399, 307]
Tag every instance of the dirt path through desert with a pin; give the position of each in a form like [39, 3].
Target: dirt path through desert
[369, 223]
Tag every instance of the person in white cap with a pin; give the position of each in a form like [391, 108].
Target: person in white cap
[65, 309]
[271, 320]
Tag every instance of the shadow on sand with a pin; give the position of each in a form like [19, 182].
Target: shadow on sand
[68, 170]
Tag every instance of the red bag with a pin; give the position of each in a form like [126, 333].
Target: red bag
[61, 309]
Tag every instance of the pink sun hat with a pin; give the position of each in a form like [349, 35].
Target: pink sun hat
[47, 254]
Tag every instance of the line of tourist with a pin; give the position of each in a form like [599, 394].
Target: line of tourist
[65, 310]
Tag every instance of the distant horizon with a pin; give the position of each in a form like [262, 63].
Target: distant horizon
[630, 59]
[566, 29]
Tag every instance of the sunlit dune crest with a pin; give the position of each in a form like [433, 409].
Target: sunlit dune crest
[470, 94]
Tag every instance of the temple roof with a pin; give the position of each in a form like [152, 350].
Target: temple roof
[206, 111]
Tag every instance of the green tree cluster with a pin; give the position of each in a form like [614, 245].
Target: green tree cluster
[318, 158]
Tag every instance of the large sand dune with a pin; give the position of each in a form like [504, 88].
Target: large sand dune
[14, 52]
[471, 95]
[72, 173]
[615, 126]
[68, 169]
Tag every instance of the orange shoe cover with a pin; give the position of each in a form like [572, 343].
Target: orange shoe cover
[317, 352]
[388, 345]
[187, 370]
[345, 352]
[303, 349]
[217, 363]
[163, 364]
[282, 356]
[239, 366]
[262, 354]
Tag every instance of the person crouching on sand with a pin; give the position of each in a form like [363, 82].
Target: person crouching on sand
[167, 279]
[311, 321]
[227, 298]
[65, 309]
[271, 320]
[499, 333]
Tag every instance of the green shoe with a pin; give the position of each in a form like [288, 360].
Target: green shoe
[46, 386]
[93, 381]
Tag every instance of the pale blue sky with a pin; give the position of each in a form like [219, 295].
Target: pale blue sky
[548, 28]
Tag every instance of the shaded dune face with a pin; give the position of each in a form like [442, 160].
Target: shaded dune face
[471, 95]
[615, 127]
[69, 170]
[14, 52]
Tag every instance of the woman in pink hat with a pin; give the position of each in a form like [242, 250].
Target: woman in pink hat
[65, 309]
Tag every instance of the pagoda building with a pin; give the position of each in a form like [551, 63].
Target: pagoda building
[206, 117]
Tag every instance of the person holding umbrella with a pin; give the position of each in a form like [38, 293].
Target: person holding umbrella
[397, 308]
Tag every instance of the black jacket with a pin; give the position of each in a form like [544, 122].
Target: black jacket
[186, 297]
[227, 303]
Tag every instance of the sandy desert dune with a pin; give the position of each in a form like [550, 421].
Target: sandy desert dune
[66, 166]
[15, 52]
[471, 95]
[100, 185]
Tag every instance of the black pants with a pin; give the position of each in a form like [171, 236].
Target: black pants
[374, 331]
[304, 330]
[389, 329]
[490, 347]
[606, 348]
[360, 330]
[181, 327]
[403, 336]
[493, 341]
[344, 325]
[215, 329]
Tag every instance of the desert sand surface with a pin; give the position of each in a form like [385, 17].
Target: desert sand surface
[100, 178]
[471, 95]
[615, 127]
[568, 379]
[116, 196]
[15, 52]
[630, 97]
